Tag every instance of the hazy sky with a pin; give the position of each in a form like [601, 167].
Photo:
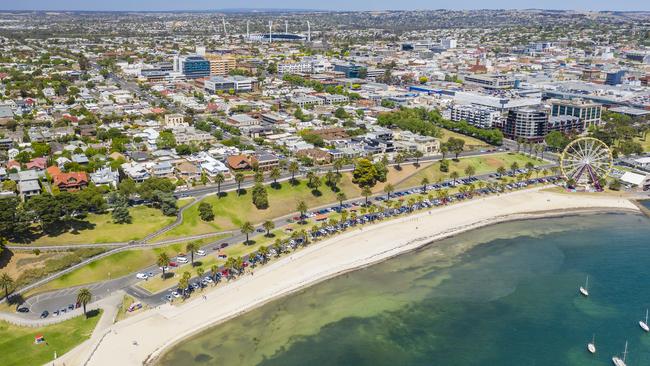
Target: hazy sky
[311, 4]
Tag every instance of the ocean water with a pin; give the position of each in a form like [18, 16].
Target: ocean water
[500, 295]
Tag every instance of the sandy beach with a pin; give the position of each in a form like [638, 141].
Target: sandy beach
[143, 337]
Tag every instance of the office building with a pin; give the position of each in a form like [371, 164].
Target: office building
[490, 81]
[615, 78]
[350, 70]
[589, 113]
[475, 115]
[295, 67]
[235, 83]
[192, 67]
[221, 65]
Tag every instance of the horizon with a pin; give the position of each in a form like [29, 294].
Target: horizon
[333, 6]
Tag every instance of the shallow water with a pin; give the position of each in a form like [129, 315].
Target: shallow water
[505, 294]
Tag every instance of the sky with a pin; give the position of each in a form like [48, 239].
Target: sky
[168, 5]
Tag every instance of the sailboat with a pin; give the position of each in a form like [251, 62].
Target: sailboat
[644, 324]
[584, 290]
[591, 347]
[620, 362]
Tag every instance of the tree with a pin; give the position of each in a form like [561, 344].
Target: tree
[455, 146]
[340, 113]
[84, 296]
[615, 185]
[293, 169]
[388, 189]
[501, 171]
[268, 226]
[206, 212]
[275, 175]
[556, 140]
[514, 166]
[192, 247]
[246, 229]
[366, 193]
[199, 273]
[529, 166]
[263, 251]
[239, 178]
[338, 164]
[214, 270]
[341, 197]
[418, 155]
[163, 262]
[444, 165]
[121, 215]
[184, 283]
[219, 179]
[424, 183]
[166, 140]
[470, 170]
[454, 175]
[365, 173]
[260, 196]
[7, 283]
[302, 208]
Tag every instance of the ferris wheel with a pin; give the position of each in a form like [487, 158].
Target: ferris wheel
[586, 161]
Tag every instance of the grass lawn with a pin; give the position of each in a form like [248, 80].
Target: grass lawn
[231, 210]
[17, 343]
[145, 221]
[645, 143]
[482, 164]
[114, 266]
[470, 142]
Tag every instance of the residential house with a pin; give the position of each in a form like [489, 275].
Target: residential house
[163, 169]
[136, 171]
[105, 176]
[67, 181]
[317, 155]
[265, 161]
[188, 171]
[37, 164]
[238, 162]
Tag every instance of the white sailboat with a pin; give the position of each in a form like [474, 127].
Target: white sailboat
[620, 362]
[591, 347]
[644, 324]
[584, 290]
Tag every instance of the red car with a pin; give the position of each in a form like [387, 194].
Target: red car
[173, 264]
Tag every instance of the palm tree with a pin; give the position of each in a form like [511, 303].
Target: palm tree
[268, 226]
[444, 149]
[454, 175]
[277, 246]
[247, 228]
[275, 175]
[388, 189]
[239, 178]
[338, 164]
[341, 197]
[220, 178]
[293, 169]
[6, 282]
[514, 166]
[366, 192]
[263, 252]
[501, 171]
[417, 155]
[424, 183]
[399, 159]
[529, 166]
[163, 262]
[84, 297]
[199, 273]
[470, 171]
[192, 247]
[544, 172]
[214, 270]
[302, 208]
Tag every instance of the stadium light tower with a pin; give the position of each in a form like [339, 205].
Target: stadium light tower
[270, 31]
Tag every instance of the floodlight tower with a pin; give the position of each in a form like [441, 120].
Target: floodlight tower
[286, 26]
[225, 31]
[308, 32]
[248, 34]
[270, 31]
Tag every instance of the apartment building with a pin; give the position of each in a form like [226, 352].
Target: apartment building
[478, 116]
[221, 65]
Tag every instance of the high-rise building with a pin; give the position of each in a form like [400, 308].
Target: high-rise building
[589, 113]
[478, 116]
[527, 123]
[221, 65]
[192, 67]
[615, 78]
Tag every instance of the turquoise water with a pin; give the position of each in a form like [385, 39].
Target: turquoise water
[501, 295]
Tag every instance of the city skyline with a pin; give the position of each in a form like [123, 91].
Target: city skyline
[203, 5]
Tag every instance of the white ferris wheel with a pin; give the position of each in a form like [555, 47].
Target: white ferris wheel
[586, 161]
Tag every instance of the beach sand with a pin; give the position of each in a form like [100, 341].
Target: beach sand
[157, 329]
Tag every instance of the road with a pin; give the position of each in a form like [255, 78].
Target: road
[61, 298]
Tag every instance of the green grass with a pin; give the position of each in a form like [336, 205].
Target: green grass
[233, 209]
[644, 143]
[145, 220]
[114, 266]
[482, 164]
[17, 346]
[470, 142]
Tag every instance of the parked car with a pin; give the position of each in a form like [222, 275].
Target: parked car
[45, 314]
[141, 276]
[23, 310]
[200, 252]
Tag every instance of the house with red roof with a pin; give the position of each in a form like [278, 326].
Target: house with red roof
[71, 181]
[36, 164]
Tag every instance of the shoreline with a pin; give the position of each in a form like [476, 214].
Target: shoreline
[157, 330]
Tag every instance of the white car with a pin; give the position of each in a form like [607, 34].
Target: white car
[175, 294]
[142, 276]
[182, 260]
[200, 252]
[208, 279]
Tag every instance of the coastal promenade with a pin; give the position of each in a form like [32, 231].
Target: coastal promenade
[143, 337]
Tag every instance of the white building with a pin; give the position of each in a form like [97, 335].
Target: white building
[478, 116]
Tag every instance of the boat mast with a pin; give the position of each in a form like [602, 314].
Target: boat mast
[625, 352]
